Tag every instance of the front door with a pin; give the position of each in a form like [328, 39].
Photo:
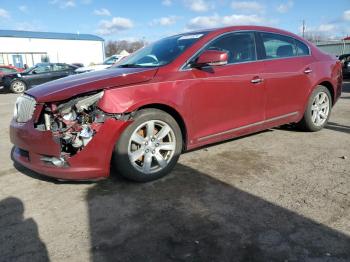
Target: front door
[39, 75]
[228, 100]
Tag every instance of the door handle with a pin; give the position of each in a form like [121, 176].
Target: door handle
[307, 71]
[256, 80]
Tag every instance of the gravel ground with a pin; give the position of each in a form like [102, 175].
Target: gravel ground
[280, 195]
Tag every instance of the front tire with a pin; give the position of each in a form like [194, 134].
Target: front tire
[18, 87]
[318, 110]
[148, 148]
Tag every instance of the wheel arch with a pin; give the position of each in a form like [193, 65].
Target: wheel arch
[175, 114]
[329, 86]
[20, 80]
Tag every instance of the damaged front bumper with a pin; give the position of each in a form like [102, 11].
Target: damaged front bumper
[38, 150]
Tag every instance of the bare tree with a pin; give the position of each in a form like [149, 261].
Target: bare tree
[115, 47]
[315, 36]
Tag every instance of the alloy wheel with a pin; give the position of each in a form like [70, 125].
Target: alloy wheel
[151, 146]
[320, 109]
[18, 87]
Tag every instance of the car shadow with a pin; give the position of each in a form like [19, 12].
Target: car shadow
[289, 127]
[19, 237]
[190, 216]
[338, 127]
[3, 91]
[346, 86]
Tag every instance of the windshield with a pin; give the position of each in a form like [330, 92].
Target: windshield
[161, 52]
[29, 69]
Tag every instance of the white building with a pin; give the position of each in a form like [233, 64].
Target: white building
[24, 47]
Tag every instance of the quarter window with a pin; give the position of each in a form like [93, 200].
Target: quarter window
[240, 47]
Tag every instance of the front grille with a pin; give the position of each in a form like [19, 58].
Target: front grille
[25, 106]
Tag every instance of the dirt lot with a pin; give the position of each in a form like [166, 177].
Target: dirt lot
[280, 195]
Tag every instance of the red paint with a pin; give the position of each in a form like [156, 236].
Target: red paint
[212, 56]
[92, 163]
[65, 88]
[9, 67]
[214, 103]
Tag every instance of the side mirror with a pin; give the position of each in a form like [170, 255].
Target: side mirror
[211, 58]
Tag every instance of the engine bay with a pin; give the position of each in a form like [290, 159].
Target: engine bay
[73, 123]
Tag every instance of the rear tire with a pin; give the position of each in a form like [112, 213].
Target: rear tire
[150, 147]
[318, 110]
[18, 87]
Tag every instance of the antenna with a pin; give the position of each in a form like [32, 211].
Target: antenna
[303, 28]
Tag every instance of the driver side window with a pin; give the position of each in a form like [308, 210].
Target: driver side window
[239, 46]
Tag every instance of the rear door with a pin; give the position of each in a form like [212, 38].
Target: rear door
[286, 75]
[60, 70]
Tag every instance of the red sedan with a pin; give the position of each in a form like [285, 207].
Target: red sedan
[7, 69]
[179, 93]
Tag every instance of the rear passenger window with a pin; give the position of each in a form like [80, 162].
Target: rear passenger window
[302, 49]
[278, 46]
[239, 46]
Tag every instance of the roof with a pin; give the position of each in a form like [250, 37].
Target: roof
[347, 38]
[220, 30]
[49, 35]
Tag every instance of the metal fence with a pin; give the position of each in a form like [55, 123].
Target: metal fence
[335, 47]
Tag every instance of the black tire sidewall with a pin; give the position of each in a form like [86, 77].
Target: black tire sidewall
[121, 158]
[14, 81]
[309, 125]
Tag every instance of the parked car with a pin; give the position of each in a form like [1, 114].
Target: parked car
[177, 94]
[345, 60]
[77, 64]
[106, 64]
[7, 69]
[36, 75]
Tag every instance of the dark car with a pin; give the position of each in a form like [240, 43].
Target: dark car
[177, 94]
[8, 69]
[36, 75]
[345, 60]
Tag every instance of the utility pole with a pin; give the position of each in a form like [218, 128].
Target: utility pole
[303, 28]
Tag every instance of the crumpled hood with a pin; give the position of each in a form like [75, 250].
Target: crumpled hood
[70, 86]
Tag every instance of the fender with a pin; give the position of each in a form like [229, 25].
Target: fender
[130, 98]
